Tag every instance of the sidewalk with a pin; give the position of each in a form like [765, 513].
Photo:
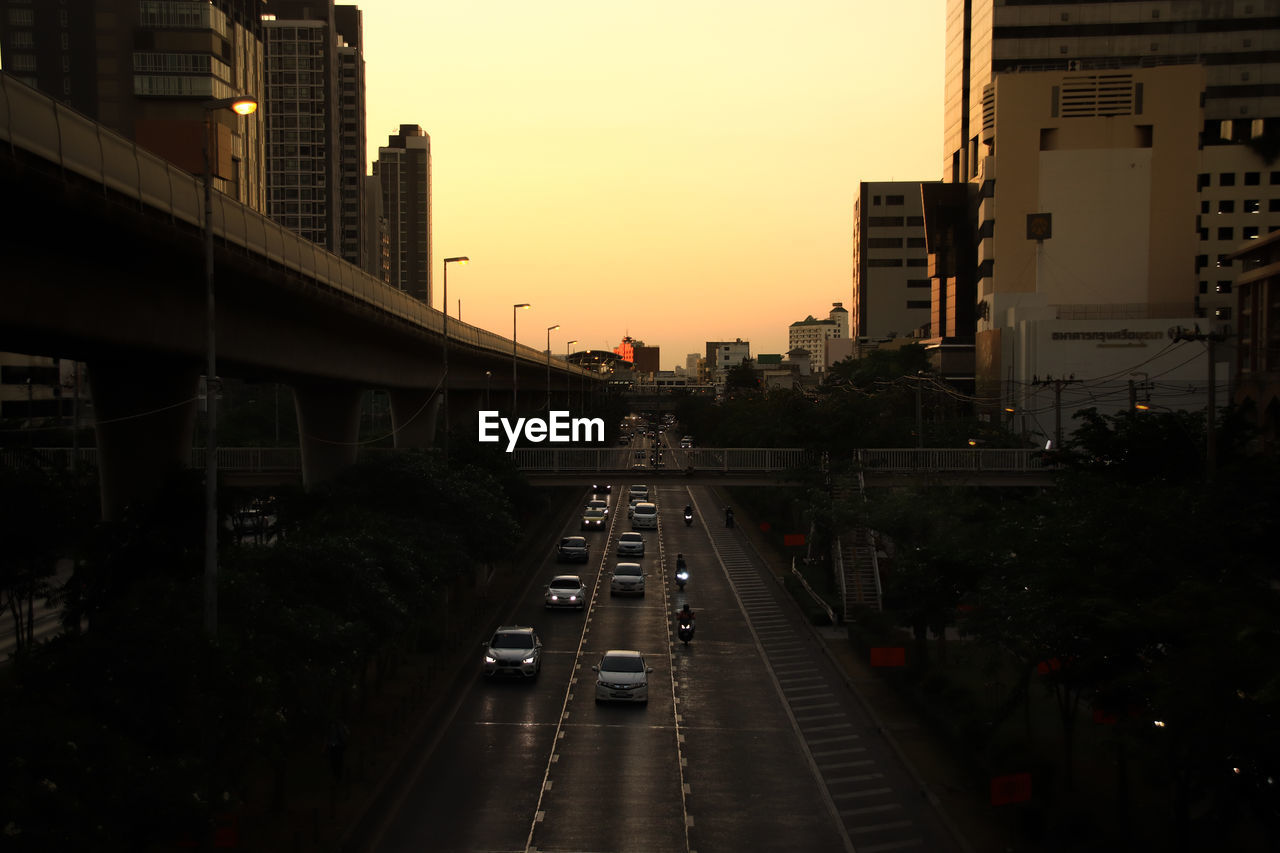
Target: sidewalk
[950, 787]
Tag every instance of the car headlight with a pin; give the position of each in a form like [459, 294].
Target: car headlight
[573, 598]
[490, 659]
[554, 597]
[529, 659]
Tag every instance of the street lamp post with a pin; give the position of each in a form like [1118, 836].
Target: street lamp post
[444, 305]
[240, 106]
[568, 377]
[515, 380]
[488, 374]
[550, 329]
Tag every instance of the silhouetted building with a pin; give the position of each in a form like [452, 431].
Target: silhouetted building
[404, 174]
[315, 122]
[145, 69]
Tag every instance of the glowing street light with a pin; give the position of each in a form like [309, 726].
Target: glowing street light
[241, 105]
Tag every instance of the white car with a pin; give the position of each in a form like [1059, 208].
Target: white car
[630, 544]
[645, 515]
[514, 650]
[621, 676]
[565, 591]
[597, 503]
[628, 579]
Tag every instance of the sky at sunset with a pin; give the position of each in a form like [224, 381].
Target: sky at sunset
[676, 171]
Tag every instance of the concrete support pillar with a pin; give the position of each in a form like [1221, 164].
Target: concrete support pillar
[146, 415]
[464, 408]
[414, 417]
[328, 429]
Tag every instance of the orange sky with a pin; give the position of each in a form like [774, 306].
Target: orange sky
[676, 171]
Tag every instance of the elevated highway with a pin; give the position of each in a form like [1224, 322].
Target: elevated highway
[103, 245]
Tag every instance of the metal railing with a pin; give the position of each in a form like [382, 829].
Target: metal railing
[996, 459]
[729, 460]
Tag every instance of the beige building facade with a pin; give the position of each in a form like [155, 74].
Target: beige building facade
[1086, 218]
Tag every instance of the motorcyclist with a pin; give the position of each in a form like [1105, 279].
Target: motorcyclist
[685, 615]
[688, 511]
[680, 564]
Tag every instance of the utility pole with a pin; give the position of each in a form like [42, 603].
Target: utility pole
[1058, 385]
[1210, 444]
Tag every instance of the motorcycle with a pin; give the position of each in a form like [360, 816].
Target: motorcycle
[682, 578]
[685, 632]
[688, 517]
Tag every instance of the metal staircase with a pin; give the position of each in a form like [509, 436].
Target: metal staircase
[855, 562]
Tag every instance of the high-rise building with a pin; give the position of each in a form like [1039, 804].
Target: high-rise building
[404, 174]
[891, 284]
[1231, 41]
[315, 122]
[145, 68]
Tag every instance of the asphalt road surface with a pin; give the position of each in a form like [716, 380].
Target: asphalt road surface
[750, 739]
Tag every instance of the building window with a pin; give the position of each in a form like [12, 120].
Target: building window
[20, 40]
[1222, 313]
[1202, 261]
[1252, 179]
[917, 262]
[1204, 207]
[919, 303]
[884, 262]
[22, 18]
[1204, 233]
[1223, 287]
[1227, 233]
[1249, 233]
[884, 221]
[915, 220]
[1275, 178]
[894, 200]
[1226, 179]
[1204, 287]
[1226, 205]
[1273, 205]
[1251, 205]
[1223, 261]
[915, 242]
[1202, 180]
[875, 199]
[884, 243]
[919, 282]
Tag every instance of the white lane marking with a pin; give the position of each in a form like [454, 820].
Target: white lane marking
[881, 827]
[827, 753]
[864, 777]
[808, 718]
[837, 739]
[887, 807]
[853, 795]
[844, 764]
[892, 845]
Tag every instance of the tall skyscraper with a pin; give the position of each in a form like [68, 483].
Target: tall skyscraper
[404, 174]
[1241, 117]
[315, 122]
[145, 68]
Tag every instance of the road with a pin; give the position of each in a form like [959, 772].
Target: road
[750, 739]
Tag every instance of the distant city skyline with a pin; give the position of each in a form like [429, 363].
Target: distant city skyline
[681, 173]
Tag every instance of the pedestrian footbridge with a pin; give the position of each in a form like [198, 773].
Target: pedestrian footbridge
[696, 466]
